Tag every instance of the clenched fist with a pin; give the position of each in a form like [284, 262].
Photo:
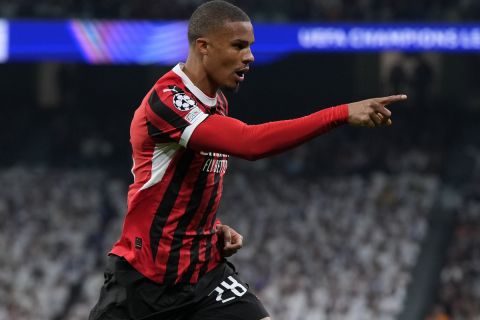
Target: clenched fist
[230, 239]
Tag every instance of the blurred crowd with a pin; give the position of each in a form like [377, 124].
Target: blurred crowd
[278, 10]
[459, 292]
[307, 240]
[332, 248]
[332, 229]
[52, 225]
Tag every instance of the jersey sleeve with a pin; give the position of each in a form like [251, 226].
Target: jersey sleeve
[172, 114]
[253, 142]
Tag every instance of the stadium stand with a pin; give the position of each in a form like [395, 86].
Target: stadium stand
[314, 248]
[302, 236]
[49, 237]
[312, 242]
[322, 249]
[459, 289]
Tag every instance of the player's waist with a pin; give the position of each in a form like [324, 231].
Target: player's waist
[116, 263]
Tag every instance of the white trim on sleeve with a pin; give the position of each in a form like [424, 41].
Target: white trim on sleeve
[188, 131]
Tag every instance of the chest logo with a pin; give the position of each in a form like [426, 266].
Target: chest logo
[183, 102]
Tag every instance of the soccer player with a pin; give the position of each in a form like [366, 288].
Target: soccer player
[169, 262]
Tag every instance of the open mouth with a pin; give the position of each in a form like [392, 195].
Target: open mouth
[241, 73]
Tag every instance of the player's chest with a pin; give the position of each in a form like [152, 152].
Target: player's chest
[213, 162]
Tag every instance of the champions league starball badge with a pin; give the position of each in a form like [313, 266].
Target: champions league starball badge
[183, 102]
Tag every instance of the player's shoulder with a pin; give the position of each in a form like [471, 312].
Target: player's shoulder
[169, 78]
[169, 84]
[169, 92]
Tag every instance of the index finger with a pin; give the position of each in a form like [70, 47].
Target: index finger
[392, 99]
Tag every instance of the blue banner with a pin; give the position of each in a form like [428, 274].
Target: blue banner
[162, 42]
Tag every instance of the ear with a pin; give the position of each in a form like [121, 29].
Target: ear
[201, 45]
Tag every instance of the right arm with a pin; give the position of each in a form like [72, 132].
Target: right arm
[252, 142]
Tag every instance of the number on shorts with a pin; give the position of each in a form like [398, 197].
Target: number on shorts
[237, 288]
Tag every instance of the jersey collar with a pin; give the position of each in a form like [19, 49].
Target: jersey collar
[206, 100]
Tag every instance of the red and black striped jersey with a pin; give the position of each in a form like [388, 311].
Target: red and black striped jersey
[169, 230]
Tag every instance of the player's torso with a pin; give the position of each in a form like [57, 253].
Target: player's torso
[169, 233]
[154, 153]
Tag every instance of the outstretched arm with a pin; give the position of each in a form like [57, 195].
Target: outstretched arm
[252, 142]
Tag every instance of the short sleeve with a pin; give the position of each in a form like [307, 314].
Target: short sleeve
[172, 114]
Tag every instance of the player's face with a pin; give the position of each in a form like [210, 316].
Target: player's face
[229, 54]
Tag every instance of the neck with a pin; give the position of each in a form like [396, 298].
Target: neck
[197, 74]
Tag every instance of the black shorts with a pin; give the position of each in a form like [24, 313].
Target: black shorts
[219, 295]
